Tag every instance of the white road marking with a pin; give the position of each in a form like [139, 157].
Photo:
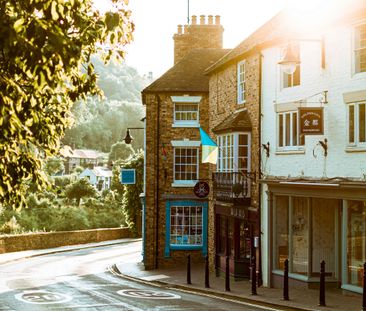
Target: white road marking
[147, 294]
[155, 277]
[42, 297]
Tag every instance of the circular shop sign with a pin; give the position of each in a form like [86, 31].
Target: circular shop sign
[201, 189]
[42, 297]
[147, 294]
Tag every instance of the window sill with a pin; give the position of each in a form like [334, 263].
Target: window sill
[183, 185]
[241, 103]
[359, 75]
[289, 152]
[353, 149]
[185, 125]
[352, 288]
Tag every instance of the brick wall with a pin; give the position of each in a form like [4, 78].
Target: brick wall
[161, 175]
[223, 102]
[197, 36]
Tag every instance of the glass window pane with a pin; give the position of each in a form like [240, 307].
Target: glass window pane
[280, 130]
[356, 241]
[288, 129]
[294, 129]
[324, 233]
[300, 239]
[282, 232]
[351, 123]
[361, 122]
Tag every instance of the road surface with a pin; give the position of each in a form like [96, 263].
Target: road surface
[83, 280]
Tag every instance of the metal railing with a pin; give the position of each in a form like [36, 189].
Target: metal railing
[231, 185]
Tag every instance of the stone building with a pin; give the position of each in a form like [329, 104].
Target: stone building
[234, 92]
[177, 104]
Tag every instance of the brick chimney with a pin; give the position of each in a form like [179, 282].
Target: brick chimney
[204, 35]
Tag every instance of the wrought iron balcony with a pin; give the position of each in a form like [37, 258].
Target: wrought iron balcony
[232, 186]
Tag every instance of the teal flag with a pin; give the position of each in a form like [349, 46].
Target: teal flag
[209, 148]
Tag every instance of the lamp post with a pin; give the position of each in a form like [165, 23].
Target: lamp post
[128, 138]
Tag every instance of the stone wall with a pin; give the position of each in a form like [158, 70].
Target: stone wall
[22, 242]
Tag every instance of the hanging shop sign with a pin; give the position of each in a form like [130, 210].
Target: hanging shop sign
[311, 121]
[128, 176]
[201, 189]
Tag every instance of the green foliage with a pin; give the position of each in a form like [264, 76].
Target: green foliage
[44, 46]
[119, 150]
[54, 165]
[131, 195]
[79, 189]
[116, 178]
[98, 125]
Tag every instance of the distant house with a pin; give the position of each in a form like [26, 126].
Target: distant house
[81, 157]
[99, 176]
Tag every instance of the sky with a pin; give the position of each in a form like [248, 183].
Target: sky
[156, 22]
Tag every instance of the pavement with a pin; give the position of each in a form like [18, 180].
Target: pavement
[240, 291]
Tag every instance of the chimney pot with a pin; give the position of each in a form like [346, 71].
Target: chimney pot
[210, 19]
[217, 19]
[185, 29]
[194, 20]
[202, 19]
[179, 29]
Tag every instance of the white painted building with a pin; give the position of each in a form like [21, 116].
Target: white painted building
[100, 177]
[314, 186]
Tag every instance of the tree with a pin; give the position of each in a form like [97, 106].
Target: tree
[54, 165]
[120, 150]
[131, 195]
[79, 189]
[45, 66]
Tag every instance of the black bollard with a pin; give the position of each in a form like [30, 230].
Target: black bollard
[189, 269]
[207, 276]
[322, 284]
[364, 288]
[227, 275]
[254, 276]
[285, 282]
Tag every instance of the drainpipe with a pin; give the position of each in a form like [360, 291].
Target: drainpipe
[260, 279]
[157, 183]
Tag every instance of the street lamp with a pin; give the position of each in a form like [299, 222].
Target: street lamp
[290, 60]
[128, 138]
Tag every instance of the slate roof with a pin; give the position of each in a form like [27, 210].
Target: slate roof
[238, 121]
[188, 74]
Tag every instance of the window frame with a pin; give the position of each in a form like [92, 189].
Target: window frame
[291, 146]
[179, 247]
[232, 161]
[241, 79]
[185, 144]
[186, 100]
[357, 47]
[356, 124]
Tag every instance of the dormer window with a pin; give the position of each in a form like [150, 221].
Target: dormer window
[241, 82]
[360, 49]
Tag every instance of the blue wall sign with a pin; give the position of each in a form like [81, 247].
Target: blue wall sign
[128, 176]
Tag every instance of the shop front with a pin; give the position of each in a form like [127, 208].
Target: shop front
[314, 221]
[235, 230]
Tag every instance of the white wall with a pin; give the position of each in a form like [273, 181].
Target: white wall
[337, 79]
